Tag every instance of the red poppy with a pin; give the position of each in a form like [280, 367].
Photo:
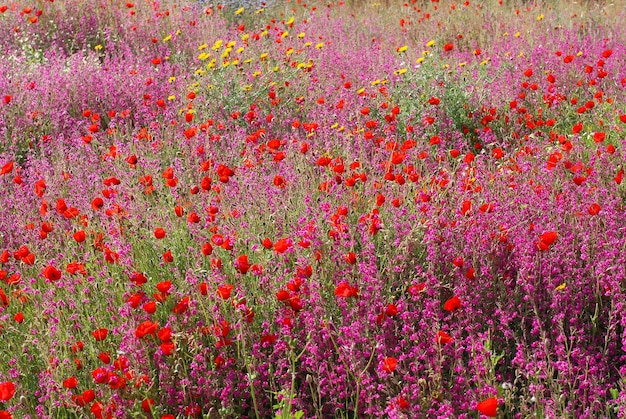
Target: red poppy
[448, 47]
[488, 407]
[241, 264]
[7, 390]
[282, 245]
[51, 273]
[7, 168]
[3, 413]
[150, 307]
[344, 290]
[443, 338]
[167, 257]
[159, 233]
[182, 306]
[97, 203]
[350, 258]
[80, 236]
[105, 357]
[71, 382]
[165, 334]
[164, 287]
[146, 328]
[452, 304]
[100, 334]
[546, 240]
[594, 209]
[466, 207]
[207, 249]
[389, 364]
[598, 137]
[391, 310]
[19, 317]
[224, 291]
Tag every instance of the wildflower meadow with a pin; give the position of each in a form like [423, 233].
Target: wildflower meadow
[341, 209]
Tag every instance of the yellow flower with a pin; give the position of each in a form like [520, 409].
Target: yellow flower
[239, 11]
[403, 48]
[301, 35]
[201, 47]
[167, 38]
[400, 71]
[172, 79]
[430, 43]
[540, 17]
[319, 46]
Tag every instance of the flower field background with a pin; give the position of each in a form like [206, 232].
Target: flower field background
[312, 210]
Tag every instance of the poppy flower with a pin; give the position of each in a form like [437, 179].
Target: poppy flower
[182, 306]
[594, 209]
[71, 382]
[224, 291]
[51, 273]
[167, 257]
[7, 390]
[389, 364]
[546, 240]
[488, 407]
[164, 287]
[452, 304]
[165, 334]
[79, 236]
[241, 264]
[146, 328]
[448, 47]
[282, 245]
[443, 338]
[150, 307]
[344, 290]
[100, 334]
[391, 310]
[159, 233]
[350, 258]
[7, 168]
